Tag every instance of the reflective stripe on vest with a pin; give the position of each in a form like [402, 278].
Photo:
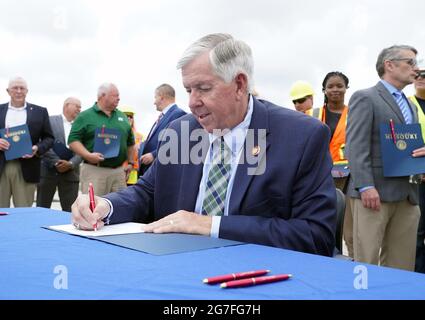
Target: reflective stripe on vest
[337, 144]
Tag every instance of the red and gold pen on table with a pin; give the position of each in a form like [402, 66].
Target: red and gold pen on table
[92, 202]
[255, 281]
[235, 276]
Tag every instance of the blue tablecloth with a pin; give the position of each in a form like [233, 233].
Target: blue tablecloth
[29, 255]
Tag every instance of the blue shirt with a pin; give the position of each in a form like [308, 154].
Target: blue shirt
[393, 90]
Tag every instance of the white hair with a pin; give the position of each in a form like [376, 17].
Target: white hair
[228, 56]
[71, 100]
[17, 79]
[104, 89]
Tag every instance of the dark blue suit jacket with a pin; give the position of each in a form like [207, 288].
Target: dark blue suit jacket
[291, 205]
[151, 145]
[41, 135]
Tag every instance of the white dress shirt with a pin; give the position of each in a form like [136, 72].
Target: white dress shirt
[234, 140]
[67, 129]
[16, 116]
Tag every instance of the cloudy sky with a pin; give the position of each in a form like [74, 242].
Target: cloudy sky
[65, 48]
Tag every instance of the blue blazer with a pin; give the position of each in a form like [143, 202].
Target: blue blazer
[41, 135]
[292, 205]
[150, 145]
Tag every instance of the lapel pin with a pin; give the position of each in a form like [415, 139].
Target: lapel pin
[256, 151]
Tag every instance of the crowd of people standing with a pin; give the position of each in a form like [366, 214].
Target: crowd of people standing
[383, 222]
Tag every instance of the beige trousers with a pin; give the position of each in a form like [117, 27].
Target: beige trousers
[387, 237]
[105, 180]
[12, 184]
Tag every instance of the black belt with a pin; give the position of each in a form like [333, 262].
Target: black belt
[98, 165]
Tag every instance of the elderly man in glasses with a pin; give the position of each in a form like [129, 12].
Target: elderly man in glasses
[19, 177]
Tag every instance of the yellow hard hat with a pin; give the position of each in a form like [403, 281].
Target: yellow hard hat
[127, 109]
[300, 89]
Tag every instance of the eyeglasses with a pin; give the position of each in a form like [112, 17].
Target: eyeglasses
[301, 100]
[129, 116]
[18, 88]
[421, 74]
[410, 61]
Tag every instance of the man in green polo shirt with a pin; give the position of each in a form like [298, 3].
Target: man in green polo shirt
[107, 175]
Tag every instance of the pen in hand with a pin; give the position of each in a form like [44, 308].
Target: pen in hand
[255, 281]
[92, 202]
[235, 276]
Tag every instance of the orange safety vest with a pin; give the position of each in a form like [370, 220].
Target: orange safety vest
[138, 138]
[337, 144]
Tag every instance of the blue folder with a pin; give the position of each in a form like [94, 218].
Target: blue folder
[62, 151]
[165, 243]
[107, 142]
[19, 139]
[397, 157]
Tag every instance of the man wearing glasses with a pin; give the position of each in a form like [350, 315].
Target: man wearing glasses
[385, 210]
[19, 177]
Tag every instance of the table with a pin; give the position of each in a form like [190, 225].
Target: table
[30, 256]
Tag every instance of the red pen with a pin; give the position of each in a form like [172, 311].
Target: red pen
[393, 131]
[255, 281]
[235, 276]
[92, 202]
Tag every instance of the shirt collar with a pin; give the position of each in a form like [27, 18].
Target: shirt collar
[390, 87]
[235, 138]
[97, 109]
[66, 120]
[17, 108]
[165, 110]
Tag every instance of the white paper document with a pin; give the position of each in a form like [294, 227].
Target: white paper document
[121, 228]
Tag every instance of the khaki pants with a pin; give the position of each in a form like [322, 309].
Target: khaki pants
[105, 180]
[12, 184]
[387, 237]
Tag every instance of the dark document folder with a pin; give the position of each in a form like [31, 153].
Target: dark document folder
[107, 142]
[340, 170]
[166, 243]
[62, 151]
[397, 157]
[19, 139]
